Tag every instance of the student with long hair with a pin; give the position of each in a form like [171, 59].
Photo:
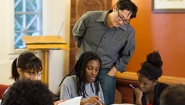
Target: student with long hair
[26, 66]
[149, 89]
[83, 80]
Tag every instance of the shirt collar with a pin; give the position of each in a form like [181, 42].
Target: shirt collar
[102, 18]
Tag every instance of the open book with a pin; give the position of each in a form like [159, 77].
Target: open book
[73, 101]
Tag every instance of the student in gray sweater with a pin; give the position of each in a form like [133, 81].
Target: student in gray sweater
[83, 81]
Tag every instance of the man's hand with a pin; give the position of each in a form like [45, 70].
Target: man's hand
[113, 71]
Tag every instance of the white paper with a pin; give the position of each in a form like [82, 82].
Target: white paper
[123, 104]
[73, 101]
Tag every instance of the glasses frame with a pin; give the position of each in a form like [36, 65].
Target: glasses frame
[125, 21]
[32, 74]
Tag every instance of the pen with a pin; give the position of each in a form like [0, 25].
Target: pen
[132, 87]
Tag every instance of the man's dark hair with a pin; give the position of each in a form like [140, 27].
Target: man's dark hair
[28, 92]
[173, 95]
[128, 5]
[80, 69]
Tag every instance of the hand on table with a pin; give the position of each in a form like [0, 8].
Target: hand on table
[57, 102]
[94, 100]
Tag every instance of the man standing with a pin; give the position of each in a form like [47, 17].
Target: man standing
[108, 34]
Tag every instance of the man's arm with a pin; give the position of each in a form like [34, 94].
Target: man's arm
[126, 53]
[79, 29]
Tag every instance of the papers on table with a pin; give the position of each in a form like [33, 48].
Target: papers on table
[73, 101]
[123, 104]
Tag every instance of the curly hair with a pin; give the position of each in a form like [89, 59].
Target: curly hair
[152, 67]
[28, 92]
[80, 69]
[173, 95]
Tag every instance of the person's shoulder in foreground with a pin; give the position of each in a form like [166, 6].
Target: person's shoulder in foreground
[28, 92]
[173, 95]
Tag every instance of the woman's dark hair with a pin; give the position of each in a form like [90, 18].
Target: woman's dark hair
[128, 5]
[28, 92]
[25, 61]
[80, 69]
[152, 67]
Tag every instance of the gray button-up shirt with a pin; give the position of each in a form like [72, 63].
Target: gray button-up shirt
[114, 46]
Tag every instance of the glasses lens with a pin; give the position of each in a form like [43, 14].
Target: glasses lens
[125, 21]
[34, 74]
[38, 74]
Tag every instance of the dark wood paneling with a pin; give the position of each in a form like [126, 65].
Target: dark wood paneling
[123, 86]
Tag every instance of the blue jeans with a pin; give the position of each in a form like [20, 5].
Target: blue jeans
[108, 84]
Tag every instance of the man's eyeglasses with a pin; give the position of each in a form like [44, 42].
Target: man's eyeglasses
[125, 21]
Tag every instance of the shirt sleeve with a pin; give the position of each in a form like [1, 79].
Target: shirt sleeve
[65, 92]
[126, 52]
[80, 28]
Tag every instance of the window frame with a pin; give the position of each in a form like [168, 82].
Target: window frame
[46, 29]
[24, 27]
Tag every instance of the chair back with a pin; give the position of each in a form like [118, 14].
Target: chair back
[3, 87]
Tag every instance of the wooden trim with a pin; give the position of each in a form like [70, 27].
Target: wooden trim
[170, 80]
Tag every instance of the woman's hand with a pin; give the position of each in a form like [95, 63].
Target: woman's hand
[57, 102]
[94, 100]
[139, 95]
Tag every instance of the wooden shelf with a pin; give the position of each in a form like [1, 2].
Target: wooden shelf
[165, 79]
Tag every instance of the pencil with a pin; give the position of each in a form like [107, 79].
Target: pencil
[132, 87]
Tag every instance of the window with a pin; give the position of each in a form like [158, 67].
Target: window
[27, 20]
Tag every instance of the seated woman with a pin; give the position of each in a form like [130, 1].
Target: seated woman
[26, 66]
[83, 80]
[149, 89]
